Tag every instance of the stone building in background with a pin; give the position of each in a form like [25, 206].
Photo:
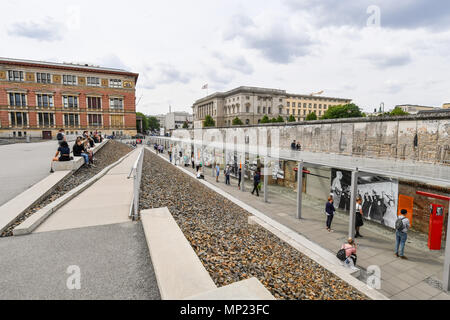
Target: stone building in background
[251, 104]
[39, 98]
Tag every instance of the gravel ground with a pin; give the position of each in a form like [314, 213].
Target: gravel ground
[107, 155]
[230, 248]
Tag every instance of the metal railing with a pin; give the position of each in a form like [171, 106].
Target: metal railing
[136, 173]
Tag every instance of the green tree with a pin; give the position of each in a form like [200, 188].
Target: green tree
[280, 119]
[209, 121]
[265, 119]
[185, 125]
[145, 124]
[237, 122]
[153, 123]
[350, 110]
[311, 116]
[291, 118]
[398, 112]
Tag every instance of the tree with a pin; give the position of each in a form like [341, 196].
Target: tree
[145, 124]
[311, 116]
[291, 118]
[237, 122]
[185, 125]
[265, 119]
[398, 112]
[153, 123]
[209, 121]
[350, 110]
[280, 119]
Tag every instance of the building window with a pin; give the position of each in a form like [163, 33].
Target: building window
[247, 109]
[247, 97]
[70, 102]
[70, 80]
[18, 119]
[304, 105]
[115, 83]
[280, 110]
[116, 120]
[293, 104]
[71, 119]
[269, 110]
[43, 77]
[93, 81]
[116, 103]
[44, 100]
[15, 75]
[46, 119]
[264, 109]
[247, 121]
[94, 103]
[17, 99]
[288, 104]
[95, 120]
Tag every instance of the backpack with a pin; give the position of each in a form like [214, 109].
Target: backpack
[341, 255]
[399, 226]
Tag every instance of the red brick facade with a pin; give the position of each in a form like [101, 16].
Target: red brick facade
[31, 88]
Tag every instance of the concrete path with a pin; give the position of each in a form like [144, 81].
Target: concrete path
[401, 279]
[113, 261]
[106, 202]
[23, 165]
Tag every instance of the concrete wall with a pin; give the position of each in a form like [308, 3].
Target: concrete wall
[375, 137]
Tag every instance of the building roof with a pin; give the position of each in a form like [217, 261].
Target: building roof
[247, 89]
[67, 66]
[414, 105]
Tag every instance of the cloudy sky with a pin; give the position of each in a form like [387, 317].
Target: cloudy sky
[370, 51]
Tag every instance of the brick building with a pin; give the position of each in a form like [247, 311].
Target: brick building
[39, 98]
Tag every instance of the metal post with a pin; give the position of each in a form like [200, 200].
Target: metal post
[213, 163]
[266, 193]
[354, 191]
[446, 277]
[299, 189]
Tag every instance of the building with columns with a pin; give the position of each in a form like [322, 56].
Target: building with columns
[251, 104]
[39, 98]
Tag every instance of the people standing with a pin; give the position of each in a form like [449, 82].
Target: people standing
[402, 226]
[298, 147]
[227, 175]
[217, 172]
[358, 217]
[256, 180]
[293, 145]
[192, 160]
[239, 178]
[329, 210]
[170, 156]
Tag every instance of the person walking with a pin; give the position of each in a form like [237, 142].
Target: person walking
[192, 160]
[227, 175]
[170, 156]
[402, 226]
[239, 178]
[256, 180]
[358, 217]
[217, 172]
[329, 210]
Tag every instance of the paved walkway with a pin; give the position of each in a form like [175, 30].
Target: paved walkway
[401, 279]
[92, 232]
[23, 165]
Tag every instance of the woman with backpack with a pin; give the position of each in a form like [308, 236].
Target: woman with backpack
[349, 249]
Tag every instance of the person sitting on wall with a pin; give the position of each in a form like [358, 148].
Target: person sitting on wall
[79, 151]
[63, 152]
[293, 145]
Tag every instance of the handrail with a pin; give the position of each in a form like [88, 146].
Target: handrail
[136, 172]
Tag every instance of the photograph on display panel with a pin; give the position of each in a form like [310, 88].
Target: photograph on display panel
[379, 196]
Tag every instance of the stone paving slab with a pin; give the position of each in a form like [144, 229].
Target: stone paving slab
[113, 259]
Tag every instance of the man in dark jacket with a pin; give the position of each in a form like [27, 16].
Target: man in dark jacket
[256, 180]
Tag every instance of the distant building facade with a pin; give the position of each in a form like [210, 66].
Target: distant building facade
[446, 106]
[39, 98]
[414, 109]
[251, 104]
[176, 120]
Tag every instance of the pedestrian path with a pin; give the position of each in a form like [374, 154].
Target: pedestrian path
[107, 201]
[400, 279]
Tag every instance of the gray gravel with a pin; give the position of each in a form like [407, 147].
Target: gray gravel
[106, 156]
[231, 249]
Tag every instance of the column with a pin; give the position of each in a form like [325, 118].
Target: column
[266, 171]
[299, 189]
[354, 192]
[446, 277]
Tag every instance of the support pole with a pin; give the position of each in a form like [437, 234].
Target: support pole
[213, 163]
[354, 191]
[446, 277]
[266, 193]
[299, 189]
